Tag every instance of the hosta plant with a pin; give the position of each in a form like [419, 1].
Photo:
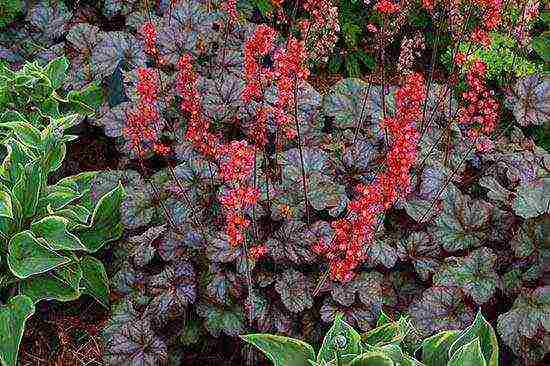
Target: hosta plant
[48, 231]
[390, 343]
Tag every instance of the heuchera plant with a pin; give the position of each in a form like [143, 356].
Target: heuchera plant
[48, 231]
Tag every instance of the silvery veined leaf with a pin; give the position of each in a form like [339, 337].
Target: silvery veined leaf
[50, 18]
[135, 343]
[440, 308]
[359, 316]
[295, 290]
[114, 48]
[530, 100]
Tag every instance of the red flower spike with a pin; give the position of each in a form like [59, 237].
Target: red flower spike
[352, 233]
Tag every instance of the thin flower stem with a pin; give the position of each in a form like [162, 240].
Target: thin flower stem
[302, 163]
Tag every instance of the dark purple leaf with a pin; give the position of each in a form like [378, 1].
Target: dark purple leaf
[530, 100]
[294, 289]
[525, 327]
[462, 224]
[221, 100]
[117, 47]
[358, 316]
[229, 320]
[289, 244]
[134, 343]
[440, 308]
[475, 274]
[423, 251]
[174, 289]
[50, 19]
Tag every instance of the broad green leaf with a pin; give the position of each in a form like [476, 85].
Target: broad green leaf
[77, 215]
[13, 316]
[482, 330]
[282, 351]
[16, 158]
[80, 182]
[435, 349]
[541, 45]
[6, 209]
[383, 319]
[58, 197]
[61, 284]
[25, 132]
[468, 355]
[27, 256]
[56, 157]
[94, 280]
[54, 230]
[105, 225]
[27, 189]
[341, 339]
[372, 359]
[87, 100]
[393, 332]
[66, 122]
[57, 71]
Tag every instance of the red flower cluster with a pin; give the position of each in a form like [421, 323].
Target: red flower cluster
[149, 34]
[256, 75]
[231, 8]
[387, 7]
[490, 15]
[290, 69]
[352, 233]
[481, 111]
[258, 251]
[142, 125]
[197, 127]
[321, 31]
[236, 161]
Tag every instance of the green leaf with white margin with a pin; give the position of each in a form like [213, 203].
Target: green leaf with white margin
[105, 225]
[6, 209]
[13, 317]
[482, 330]
[66, 122]
[26, 133]
[435, 349]
[282, 351]
[341, 339]
[57, 71]
[372, 359]
[58, 197]
[28, 188]
[87, 100]
[94, 280]
[388, 333]
[61, 284]
[383, 319]
[468, 355]
[28, 256]
[52, 148]
[533, 199]
[54, 230]
[18, 155]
